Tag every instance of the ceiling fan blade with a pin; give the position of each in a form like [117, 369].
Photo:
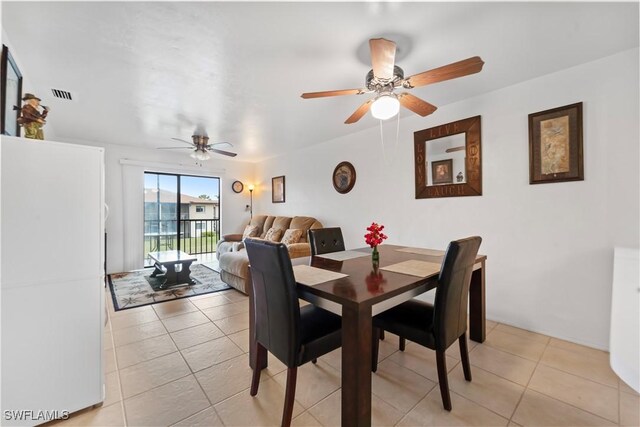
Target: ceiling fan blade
[452, 149]
[383, 55]
[416, 104]
[447, 72]
[182, 140]
[174, 148]
[226, 144]
[326, 93]
[224, 153]
[361, 111]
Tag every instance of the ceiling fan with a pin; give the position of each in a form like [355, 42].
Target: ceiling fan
[201, 147]
[385, 77]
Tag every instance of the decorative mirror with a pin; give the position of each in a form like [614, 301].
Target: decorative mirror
[448, 161]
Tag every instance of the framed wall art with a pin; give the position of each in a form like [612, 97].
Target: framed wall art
[555, 145]
[10, 94]
[445, 151]
[277, 189]
[344, 177]
[442, 172]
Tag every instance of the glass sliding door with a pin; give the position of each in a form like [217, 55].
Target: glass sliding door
[181, 212]
[199, 214]
[160, 213]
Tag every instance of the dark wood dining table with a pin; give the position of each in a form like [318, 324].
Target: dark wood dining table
[362, 294]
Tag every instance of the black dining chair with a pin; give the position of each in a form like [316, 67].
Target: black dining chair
[293, 334]
[439, 325]
[326, 240]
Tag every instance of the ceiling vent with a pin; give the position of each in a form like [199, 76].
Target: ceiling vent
[62, 94]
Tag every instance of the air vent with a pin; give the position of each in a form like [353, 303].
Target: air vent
[62, 94]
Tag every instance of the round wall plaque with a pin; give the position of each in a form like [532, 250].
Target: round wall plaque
[237, 186]
[344, 177]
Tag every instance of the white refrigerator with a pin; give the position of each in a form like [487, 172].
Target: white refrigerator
[51, 279]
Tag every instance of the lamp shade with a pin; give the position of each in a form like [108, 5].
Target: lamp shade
[200, 155]
[385, 107]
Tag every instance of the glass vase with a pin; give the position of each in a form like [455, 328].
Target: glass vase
[375, 258]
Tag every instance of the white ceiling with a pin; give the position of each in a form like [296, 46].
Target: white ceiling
[146, 72]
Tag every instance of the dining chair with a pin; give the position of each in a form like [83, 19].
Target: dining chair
[325, 240]
[293, 334]
[438, 325]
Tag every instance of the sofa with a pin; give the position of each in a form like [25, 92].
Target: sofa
[233, 259]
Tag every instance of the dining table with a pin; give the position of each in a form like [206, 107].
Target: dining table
[363, 292]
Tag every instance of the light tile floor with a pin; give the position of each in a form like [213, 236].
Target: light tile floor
[185, 363]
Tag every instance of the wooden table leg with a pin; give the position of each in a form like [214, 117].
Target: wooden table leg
[356, 366]
[477, 311]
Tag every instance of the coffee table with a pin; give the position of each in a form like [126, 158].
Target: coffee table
[173, 266]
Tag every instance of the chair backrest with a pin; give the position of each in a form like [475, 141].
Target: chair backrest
[277, 311]
[452, 293]
[325, 240]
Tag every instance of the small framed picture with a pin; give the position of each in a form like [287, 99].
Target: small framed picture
[344, 177]
[277, 189]
[555, 145]
[442, 172]
[10, 94]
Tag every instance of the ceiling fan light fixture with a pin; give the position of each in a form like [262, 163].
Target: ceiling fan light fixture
[200, 155]
[385, 106]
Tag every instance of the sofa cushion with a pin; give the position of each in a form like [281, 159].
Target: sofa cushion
[282, 222]
[258, 221]
[236, 263]
[291, 236]
[250, 231]
[304, 223]
[273, 235]
[268, 223]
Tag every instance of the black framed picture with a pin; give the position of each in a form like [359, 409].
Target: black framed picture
[555, 145]
[10, 94]
[344, 177]
[277, 189]
[442, 172]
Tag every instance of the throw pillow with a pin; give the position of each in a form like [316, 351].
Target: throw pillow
[291, 236]
[250, 231]
[273, 235]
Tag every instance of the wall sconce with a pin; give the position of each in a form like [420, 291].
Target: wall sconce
[251, 187]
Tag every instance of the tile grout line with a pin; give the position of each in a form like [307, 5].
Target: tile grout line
[115, 361]
[562, 401]
[526, 387]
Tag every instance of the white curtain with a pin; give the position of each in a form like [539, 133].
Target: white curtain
[133, 216]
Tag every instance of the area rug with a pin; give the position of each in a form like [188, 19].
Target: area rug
[132, 289]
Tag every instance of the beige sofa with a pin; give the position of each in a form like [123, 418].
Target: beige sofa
[233, 259]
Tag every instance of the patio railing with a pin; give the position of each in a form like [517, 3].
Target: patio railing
[197, 236]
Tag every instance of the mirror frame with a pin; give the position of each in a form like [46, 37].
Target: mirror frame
[473, 164]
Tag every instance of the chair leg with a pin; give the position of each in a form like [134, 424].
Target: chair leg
[290, 393]
[464, 354]
[261, 353]
[375, 345]
[382, 334]
[443, 380]
[314, 361]
[403, 343]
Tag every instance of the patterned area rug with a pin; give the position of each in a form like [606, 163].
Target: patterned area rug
[132, 289]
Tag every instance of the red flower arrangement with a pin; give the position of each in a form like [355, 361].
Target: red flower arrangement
[375, 236]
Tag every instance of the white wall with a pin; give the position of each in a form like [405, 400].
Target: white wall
[549, 246]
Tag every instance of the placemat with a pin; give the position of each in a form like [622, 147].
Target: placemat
[422, 251]
[344, 255]
[414, 267]
[314, 276]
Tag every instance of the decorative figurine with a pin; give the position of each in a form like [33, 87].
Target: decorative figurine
[459, 177]
[31, 119]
